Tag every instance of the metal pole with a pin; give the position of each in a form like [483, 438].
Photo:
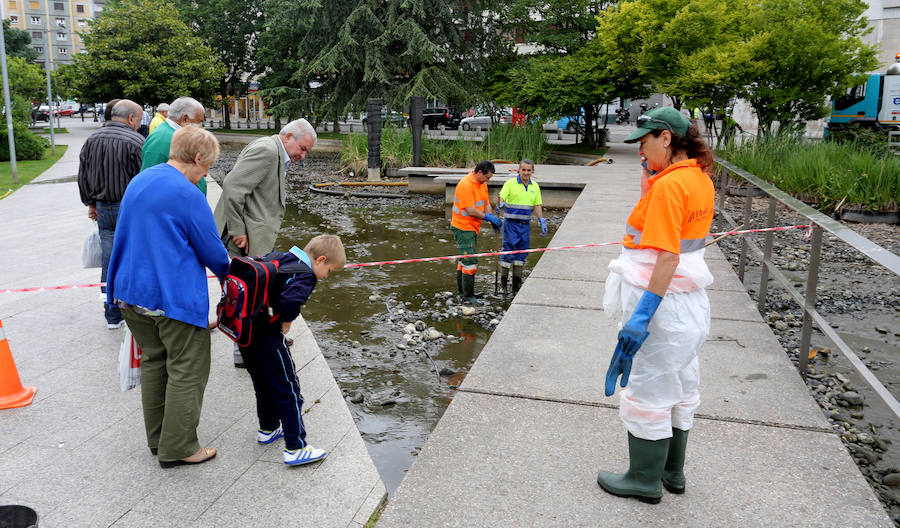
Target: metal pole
[748, 206]
[9, 122]
[49, 92]
[767, 254]
[812, 281]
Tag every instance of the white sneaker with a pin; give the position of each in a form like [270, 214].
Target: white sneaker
[113, 326]
[267, 437]
[305, 455]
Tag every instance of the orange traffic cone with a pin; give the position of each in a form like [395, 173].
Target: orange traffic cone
[12, 393]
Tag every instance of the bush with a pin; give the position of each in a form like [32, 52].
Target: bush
[29, 146]
[834, 172]
[868, 138]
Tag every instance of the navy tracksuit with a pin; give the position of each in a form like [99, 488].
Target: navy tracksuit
[268, 358]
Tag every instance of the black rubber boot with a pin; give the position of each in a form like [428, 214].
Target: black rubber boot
[504, 280]
[459, 285]
[643, 478]
[468, 284]
[517, 278]
[673, 474]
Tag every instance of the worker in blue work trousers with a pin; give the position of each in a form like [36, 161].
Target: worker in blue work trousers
[519, 198]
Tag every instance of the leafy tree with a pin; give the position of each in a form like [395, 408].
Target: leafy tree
[230, 28]
[141, 50]
[26, 83]
[804, 50]
[17, 42]
[327, 58]
[66, 82]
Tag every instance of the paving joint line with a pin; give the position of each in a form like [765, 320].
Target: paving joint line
[712, 418]
[592, 309]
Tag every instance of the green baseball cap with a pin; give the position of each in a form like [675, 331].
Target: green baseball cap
[665, 118]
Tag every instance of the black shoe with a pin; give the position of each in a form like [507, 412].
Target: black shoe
[154, 450]
[240, 365]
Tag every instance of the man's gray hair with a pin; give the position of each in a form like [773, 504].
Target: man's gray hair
[163, 107]
[184, 106]
[526, 161]
[122, 111]
[299, 128]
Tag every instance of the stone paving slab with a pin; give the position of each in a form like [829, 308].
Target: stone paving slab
[78, 453]
[534, 463]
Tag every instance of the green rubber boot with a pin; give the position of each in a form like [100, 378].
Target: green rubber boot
[642, 480]
[468, 287]
[459, 285]
[673, 474]
[517, 278]
[504, 280]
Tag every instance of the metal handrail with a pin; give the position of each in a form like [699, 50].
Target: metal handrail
[819, 222]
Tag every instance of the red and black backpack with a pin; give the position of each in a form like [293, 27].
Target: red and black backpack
[247, 292]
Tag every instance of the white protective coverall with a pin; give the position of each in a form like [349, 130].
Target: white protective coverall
[663, 388]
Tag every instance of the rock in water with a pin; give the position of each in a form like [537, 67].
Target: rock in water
[494, 322]
[468, 310]
[374, 297]
[891, 479]
[357, 397]
[420, 325]
[432, 334]
[446, 372]
[409, 329]
[852, 398]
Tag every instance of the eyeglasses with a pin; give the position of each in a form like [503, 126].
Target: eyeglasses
[648, 122]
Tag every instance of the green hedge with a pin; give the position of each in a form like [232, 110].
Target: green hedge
[29, 146]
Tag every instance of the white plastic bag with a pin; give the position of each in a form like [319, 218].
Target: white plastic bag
[90, 253]
[129, 362]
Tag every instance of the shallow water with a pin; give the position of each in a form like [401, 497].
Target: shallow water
[403, 395]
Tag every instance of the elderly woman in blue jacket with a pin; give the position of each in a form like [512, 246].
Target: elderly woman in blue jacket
[165, 239]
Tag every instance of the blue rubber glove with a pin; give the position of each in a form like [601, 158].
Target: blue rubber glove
[494, 220]
[543, 222]
[633, 334]
[620, 364]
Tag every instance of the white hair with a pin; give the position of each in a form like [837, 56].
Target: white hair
[124, 110]
[184, 106]
[163, 107]
[299, 128]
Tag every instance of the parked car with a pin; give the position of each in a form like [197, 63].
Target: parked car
[437, 116]
[62, 111]
[40, 113]
[485, 121]
[395, 118]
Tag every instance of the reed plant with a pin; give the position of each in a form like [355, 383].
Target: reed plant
[508, 143]
[832, 173]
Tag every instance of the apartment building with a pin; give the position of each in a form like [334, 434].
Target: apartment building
[53, 25]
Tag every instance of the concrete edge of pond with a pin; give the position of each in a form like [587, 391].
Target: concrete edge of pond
[322, 145]
[522, 441]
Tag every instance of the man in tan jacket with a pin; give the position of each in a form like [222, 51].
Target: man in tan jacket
[250, 211]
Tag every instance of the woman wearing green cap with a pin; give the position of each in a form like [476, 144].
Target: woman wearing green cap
[658, 282]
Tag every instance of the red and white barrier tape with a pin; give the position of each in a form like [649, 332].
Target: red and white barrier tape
[435, 259]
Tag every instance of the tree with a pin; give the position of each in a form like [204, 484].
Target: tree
[230, 28]
[26, 83]
[66, 82]
[141, 50]
[17, 42]
[391, 49]
[804, 50]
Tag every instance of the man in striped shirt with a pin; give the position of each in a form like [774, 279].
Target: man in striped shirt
[109, 159]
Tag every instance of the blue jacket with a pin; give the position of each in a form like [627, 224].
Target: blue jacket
[165, 238]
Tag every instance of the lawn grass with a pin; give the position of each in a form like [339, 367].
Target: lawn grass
[28, 170]
[46, 131]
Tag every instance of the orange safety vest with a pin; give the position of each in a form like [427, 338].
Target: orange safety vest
[469, 193]
[676, 213]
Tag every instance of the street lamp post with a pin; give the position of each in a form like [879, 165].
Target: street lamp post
[6, 100]
[47, 66]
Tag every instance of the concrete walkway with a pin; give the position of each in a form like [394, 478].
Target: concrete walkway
[522, 441]
[78, 454]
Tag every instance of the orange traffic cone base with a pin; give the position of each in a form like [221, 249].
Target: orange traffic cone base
[19, 399]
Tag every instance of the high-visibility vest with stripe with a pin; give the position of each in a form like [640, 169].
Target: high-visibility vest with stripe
[520, 199]
[676, 213]
[469, 193]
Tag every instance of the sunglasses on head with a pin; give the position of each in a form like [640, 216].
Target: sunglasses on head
[651, 123]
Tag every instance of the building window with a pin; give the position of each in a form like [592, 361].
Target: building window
[60, 36]
[82, 22]
[14, 19]
[12, 4]
[58, 6]
[34, 5]
[36, 20]
[37, 35]
[63, 51]
[79, 8]
[60, 22]
[39, 49]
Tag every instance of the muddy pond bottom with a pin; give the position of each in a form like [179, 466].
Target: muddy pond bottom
[394, 336]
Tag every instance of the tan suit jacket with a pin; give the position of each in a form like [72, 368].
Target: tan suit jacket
[253, 197]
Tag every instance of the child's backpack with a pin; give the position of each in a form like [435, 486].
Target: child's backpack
[247, 292]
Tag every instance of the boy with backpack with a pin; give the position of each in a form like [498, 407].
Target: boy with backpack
[265, 350]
